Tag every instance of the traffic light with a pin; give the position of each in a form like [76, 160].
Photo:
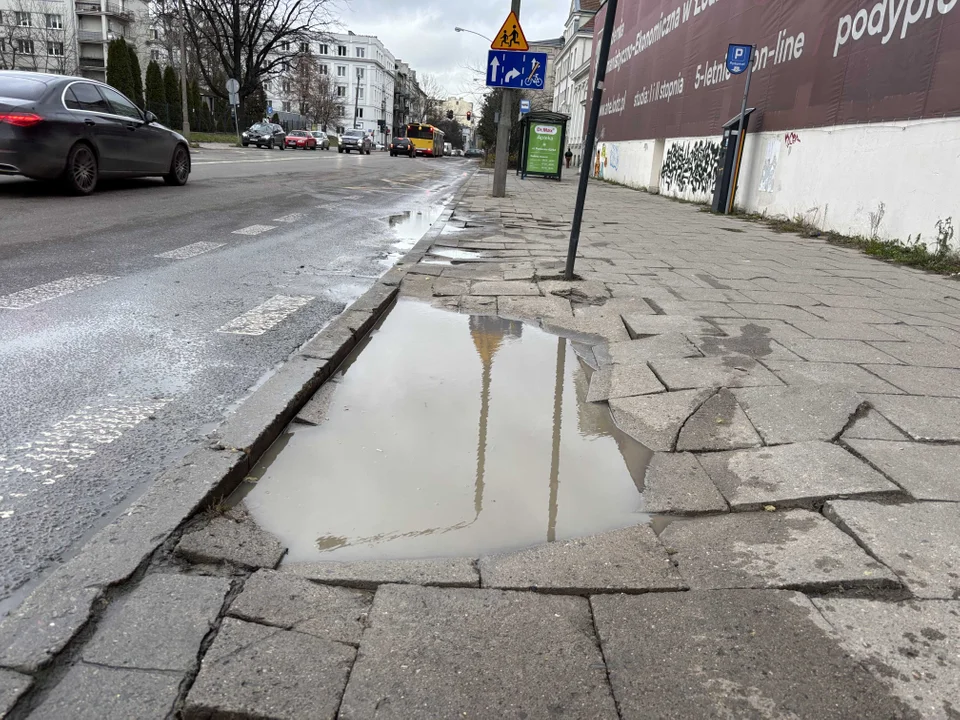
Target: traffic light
[469, 116]
[449, 114]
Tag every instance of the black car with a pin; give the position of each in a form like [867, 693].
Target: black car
[402, 146]
[265, 134]
[78, 131]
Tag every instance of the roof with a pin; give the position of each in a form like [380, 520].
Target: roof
[545, 116]
[589, 24]
[552, 42]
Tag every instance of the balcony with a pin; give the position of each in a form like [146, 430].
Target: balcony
[90, 36]
[89, 7]
[88, 62]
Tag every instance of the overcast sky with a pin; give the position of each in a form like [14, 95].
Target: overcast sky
[421, 33]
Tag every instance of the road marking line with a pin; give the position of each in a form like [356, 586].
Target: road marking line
[291, 218]
[266, 316]
[253, 230]
[189, 251]
[58, 450]
[51, 290]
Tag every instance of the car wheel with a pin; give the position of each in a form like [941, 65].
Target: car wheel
[81, 173]
[179, 167]
[269, 144]
[245, 144]
[283, 145]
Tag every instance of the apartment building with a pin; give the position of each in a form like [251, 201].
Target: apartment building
[572, 74]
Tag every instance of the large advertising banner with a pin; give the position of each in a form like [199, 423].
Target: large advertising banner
[817, 63]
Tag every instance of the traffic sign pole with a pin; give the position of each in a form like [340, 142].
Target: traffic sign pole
[503, 131]
[731, 193]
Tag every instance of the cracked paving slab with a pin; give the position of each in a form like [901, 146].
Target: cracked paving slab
[927, 472]
[370, 574]
[719, 424]
[619, 381]
[655, 420]
[12, 686]
[922, 418]
[676, 484]
[732, 371]
[232, 538]
[797, 414]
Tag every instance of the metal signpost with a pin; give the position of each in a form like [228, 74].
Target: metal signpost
[233, 90]
[738, 60]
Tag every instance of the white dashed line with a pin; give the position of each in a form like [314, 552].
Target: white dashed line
[57, 451]
[291, 218]
[266, 316]
[189, 251]
[48, 291]
[253, 230]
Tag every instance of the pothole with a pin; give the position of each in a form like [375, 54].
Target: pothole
[450, 435]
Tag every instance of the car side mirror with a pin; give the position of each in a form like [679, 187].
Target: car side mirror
[149, 117]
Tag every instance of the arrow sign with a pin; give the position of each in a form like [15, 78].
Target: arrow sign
[494, 67]
[511, 74]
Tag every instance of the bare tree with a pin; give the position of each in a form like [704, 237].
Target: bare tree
[314, 94]
[434, 95]
[33, 38]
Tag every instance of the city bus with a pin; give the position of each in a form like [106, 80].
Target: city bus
[427, 139]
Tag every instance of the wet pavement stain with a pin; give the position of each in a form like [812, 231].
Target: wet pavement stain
[450, 435]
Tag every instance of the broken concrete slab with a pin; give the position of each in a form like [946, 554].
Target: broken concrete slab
[756, 654]
[472, 305]
[90, 692]
[719, 424]
[842, 351]
[160, 625]
[232, 538]
[444, 653]
[750, 339]
[922, 418]
[800, 413]
[920, 542]
[505, 288]
[619, 381]
[254, 671]
[668, 345]
[369, 575]
[12, 686]
[655, 420]
[317, 408]
[796, 550]
[927, 472]
[533, 308]
[729, 371]
[915, 380]
[286, 601]
[642, 325]
[871, 425]
[676, 484]
[627, 560]
[816, 374]
[800, 475]
[911, 647]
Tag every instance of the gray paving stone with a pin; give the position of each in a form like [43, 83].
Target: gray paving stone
[922, 418]
[796, 549]
[12, 686]
[668, 345]
[604, 328]
[927, 472]
[728, 371]
[368, 575]
[780, 298]
[911, 647]
[505, 288]
[719, 424]
[799, 475]
[655, 420]
[626, 560]
[533, 308]
[758, 346]
[676, 484]
[618, 381]
[842, 330]
[160, 625]
[851, 313]
[286, 601]
[817, 373]
[232, 538]
[872, 426]
[796, 414]
[942, 382]
[97, 693]
[764, 311]
[731, 654]
[642, 325]
[435, 653]
[254, 671]
[930, 354]
[842, 351]
[920, 542]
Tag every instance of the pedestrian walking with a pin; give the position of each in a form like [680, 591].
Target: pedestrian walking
[569, 156]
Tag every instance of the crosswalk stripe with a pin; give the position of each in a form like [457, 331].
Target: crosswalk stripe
[266, 316]
[51, 290]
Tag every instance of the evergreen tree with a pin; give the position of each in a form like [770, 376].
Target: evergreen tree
[171, 89]
[155, 95]
[275, 118]
[137, 73]
[206, 119]
[119, 73]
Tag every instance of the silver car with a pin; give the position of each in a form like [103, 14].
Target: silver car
[355, 140]
[323, 142]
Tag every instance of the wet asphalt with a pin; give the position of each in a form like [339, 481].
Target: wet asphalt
[103, 387]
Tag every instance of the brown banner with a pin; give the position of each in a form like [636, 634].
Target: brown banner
[817, 63]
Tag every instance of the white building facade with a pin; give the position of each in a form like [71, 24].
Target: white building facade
[572, 74]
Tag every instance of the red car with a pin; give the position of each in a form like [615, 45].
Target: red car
[301, 139]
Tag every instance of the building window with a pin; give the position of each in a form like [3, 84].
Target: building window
[25, 47]
[286, 106]
[359, 112]
[324, 70]
[341, 91]
[55, 49]
[23, 19]
[359, 73]
[55, 22]
[324, 50]
[342, 50]
[285, 46]
[341, 70]
[360, 95]
[286, 86]
[155, 55]
[361, 52]
[155, 33]
[304, 47]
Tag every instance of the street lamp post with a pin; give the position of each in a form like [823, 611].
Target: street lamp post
[472, 32]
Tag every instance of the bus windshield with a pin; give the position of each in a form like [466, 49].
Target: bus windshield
[421, 132]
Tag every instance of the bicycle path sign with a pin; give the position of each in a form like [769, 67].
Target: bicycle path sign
[518, 70]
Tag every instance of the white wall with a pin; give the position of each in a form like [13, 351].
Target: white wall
[886, 180]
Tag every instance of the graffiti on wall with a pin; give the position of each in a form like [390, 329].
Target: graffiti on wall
[791, 139]
[691, 167]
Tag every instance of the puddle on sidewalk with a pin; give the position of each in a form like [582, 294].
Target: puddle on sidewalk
[454, 253]
[407, 228]
[450, 435]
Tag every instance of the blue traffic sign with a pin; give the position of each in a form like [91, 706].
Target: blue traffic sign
[516, 69]
[524, 107]
[270, 110]
[738, 58]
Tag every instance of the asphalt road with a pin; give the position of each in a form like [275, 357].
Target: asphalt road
[132, 320]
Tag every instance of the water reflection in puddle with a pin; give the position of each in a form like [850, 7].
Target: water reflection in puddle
[450, 435]
[454, 253]
[407, 228]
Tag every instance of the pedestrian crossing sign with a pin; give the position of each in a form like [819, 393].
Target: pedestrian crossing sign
[510, 36]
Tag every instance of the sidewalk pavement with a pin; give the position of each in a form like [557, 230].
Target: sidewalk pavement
[803, 401]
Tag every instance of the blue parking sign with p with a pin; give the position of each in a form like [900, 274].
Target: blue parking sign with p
[738, 58]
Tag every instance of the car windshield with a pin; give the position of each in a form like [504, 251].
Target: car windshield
[298, 133]
[353, 134]
[21, 88]
[260, 127]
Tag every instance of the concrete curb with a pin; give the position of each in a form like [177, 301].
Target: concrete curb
[59, 608]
